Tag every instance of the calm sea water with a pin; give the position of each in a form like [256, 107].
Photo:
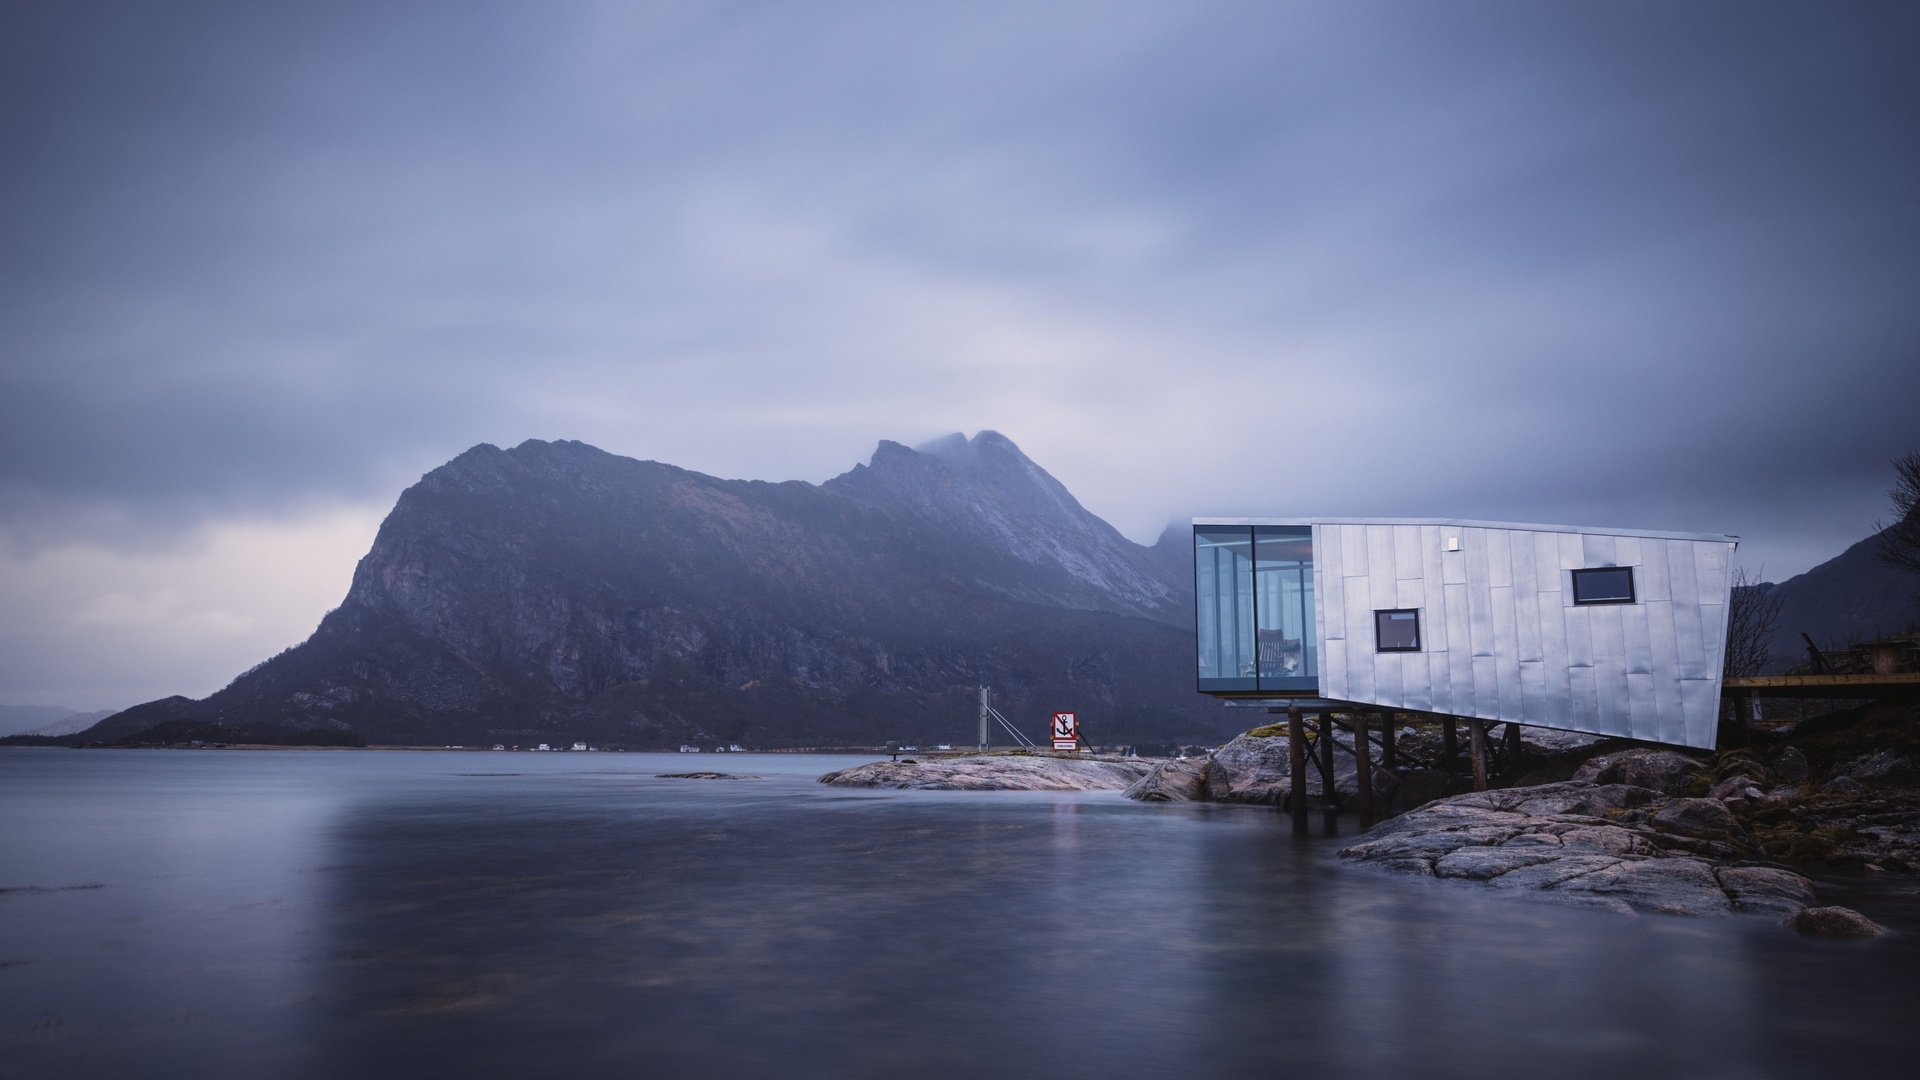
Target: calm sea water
[366, 914]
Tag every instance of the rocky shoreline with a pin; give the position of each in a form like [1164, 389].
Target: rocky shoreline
[1579, 820]
[1613, 846]
[996, 772]
[1602, 823]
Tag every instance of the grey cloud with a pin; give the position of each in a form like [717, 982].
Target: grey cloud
[1647, 264]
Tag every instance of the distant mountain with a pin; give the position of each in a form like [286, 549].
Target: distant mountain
[47, 719]
[20, 719]
[1852, 597]
[554, 592]
[73, 724]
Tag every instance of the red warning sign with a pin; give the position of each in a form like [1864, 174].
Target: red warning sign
[1066, 731]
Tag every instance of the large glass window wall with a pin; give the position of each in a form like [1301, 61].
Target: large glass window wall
[1253, 593]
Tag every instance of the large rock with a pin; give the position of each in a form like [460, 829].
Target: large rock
[1791, 765]
[1623, 847]
[997, 772]
[1880, 769]
[1773, 890]
[1736, 789]
[1700, 819]
[1175, 780]
[1834, 922]
[1255, 768]
[1679, 886]
[1664, 771]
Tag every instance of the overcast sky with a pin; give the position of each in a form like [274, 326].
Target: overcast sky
[1647, 265]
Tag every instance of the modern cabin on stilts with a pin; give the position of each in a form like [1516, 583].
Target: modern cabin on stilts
[1615, 632]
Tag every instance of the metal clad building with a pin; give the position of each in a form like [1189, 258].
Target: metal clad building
[1605, 631]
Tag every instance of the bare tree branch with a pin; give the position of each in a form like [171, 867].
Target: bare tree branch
[1900, 541]
[1752, 614]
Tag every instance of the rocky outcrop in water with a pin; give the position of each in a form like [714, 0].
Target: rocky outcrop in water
[996, 772]
[1611, 846]
[1837, 922]
[1636, 828]
[1252, 768]
[1174, 780]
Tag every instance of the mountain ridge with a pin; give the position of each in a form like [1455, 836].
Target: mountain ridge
[1854, 596]
[48, 720]
[556, 589]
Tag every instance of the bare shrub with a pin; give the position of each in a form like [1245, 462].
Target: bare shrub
[1753, 613]
[1900, 541]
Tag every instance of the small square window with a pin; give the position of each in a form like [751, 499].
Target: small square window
[1396, 631]
[1603, 585]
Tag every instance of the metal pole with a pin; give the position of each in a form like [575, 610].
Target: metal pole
[986, 698]
[1477, 729]
[1297, 762]
[1363, 769]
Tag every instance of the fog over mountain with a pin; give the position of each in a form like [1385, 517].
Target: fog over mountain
[555, 592]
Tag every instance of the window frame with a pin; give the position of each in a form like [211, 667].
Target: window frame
[1226, 536]
[1253, 683]
[1633, 588]
[1419, 644]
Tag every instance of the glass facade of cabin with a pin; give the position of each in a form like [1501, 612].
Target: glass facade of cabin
[1253, 605]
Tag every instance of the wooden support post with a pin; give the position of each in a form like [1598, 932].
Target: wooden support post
[1363, 769]
[1297, 762]
[1511, 766]
[1477, 732]
[1388, 759]
[1449, 743]
[1329, 798]
[1326, 759]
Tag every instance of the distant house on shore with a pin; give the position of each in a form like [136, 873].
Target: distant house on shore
[1607, 631]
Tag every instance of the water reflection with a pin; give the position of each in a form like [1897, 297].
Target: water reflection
[386, 915]
[751, 934]
[159, 905]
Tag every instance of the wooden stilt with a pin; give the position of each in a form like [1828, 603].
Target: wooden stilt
[1511, 766]
[1329, 799]
[1297, 762]
[1363, 769]
[1449, 743]
[1477, 732]
[1388, 759]
[1325, 747]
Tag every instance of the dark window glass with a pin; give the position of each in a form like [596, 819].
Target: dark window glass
[1603, 585]
[1396, 631]
[1283, 601]
[1253, 608]
[1223, 606]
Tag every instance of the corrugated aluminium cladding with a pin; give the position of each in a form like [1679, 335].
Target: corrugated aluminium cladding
[1502, 638]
